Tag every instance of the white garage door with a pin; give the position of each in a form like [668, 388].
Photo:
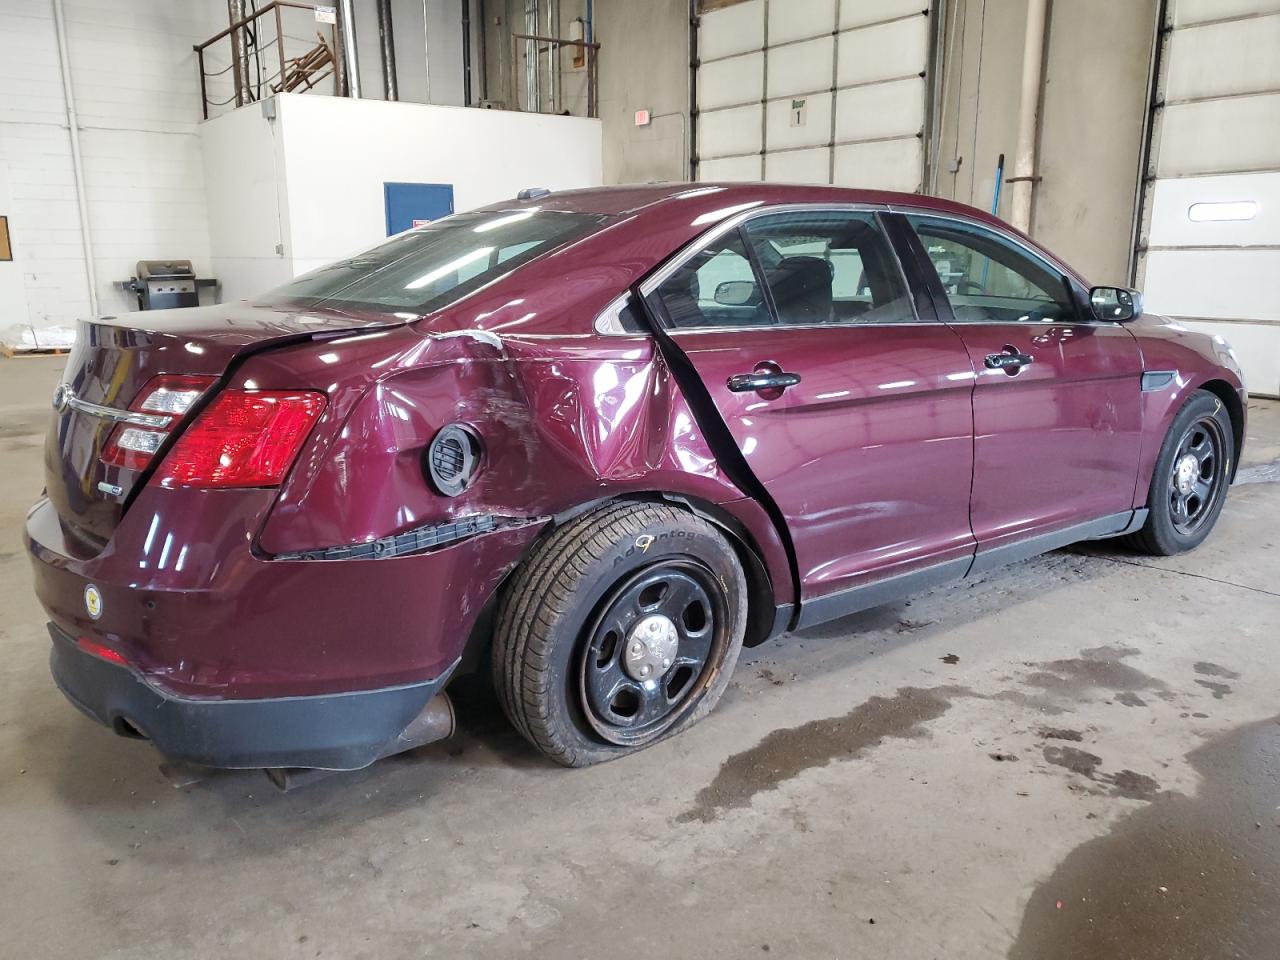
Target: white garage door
[1212, 254]
[814, 91]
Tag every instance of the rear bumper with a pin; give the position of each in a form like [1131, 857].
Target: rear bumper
[343, 731]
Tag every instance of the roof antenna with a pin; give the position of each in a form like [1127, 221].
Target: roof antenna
[532, 193]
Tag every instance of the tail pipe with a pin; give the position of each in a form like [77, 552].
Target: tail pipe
[437, 721]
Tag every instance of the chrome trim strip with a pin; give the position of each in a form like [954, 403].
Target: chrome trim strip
[116, 415]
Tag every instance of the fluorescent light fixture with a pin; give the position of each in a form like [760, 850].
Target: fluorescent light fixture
[503, 221]
[1208, 212]
[429, 278]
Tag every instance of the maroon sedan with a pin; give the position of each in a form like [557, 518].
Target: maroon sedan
[598, 440]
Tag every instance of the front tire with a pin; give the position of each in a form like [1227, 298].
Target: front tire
[622, 628]
[1189, 485]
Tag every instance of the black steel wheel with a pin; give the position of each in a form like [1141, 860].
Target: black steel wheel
[621, 628]
[648, 651]
[1191, 477]
[1196, 476]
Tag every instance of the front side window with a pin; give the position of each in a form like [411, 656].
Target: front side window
[430, 267]
[829, 267]
[990, 279]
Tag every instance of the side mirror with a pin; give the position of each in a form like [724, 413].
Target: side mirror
[737, 293]
[1115, 303]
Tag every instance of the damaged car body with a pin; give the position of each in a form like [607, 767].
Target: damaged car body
[593, 442]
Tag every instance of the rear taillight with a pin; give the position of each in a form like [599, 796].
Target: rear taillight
[162, 400]
[243, 438]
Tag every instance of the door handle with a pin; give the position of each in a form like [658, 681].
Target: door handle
[1011, 361]
[762, 380]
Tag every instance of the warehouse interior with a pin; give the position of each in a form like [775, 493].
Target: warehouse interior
[1073, 757]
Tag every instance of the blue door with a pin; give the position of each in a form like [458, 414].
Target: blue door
[413, 204]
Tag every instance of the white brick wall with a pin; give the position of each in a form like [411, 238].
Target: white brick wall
[137, 92]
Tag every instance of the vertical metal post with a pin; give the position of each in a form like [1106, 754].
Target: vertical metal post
[204, 87]
[387, 41]
[350, 59]
[426, 49]
[483, 51]
[466, 53]
[77, 163]
[280, 45]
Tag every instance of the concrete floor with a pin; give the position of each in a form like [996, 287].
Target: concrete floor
[1075, 757]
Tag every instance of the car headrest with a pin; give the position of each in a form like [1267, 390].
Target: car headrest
[802, 289]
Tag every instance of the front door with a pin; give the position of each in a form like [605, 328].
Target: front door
[849, 406]
[1057, 398]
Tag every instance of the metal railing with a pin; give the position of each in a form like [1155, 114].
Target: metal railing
[314, 64]
[591, 51]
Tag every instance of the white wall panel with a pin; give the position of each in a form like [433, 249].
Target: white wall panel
[1256, 346]
[887, 165]
[815, 131]
[1199, 11]
[725, 132]
[733, 81]
[880, 110]
[730, 168]
[1223, 269]
[1223, 59]
[800, 67]
[798, 166]
[1171, 224]
[731, 30]
[800, 19]
[882, 52]
[1234, 284]
[1242, 133]
[855, 13]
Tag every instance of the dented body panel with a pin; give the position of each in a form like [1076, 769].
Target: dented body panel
[308, 589]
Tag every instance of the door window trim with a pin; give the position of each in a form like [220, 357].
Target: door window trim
[930, 274]
[649, 286]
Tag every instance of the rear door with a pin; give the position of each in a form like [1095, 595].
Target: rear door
[1057, 398]
[848, 403]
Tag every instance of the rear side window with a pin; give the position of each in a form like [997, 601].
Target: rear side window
[717, 287]
[830, 267]
[824, 267]
[430, 267]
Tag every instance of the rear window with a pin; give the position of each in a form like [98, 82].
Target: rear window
[429, 267]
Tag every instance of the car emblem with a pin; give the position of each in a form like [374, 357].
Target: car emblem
[62, 397]
[93, 601]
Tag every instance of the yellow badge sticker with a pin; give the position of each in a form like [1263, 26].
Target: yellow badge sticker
[93, 601]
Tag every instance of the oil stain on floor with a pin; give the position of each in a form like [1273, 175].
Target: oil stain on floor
[786, 753]
[1183, 878]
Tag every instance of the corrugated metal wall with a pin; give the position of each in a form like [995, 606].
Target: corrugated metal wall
[814, 91]
[1209, 251]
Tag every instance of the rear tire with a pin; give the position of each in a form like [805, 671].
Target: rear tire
[1189, 484]
[621, 629]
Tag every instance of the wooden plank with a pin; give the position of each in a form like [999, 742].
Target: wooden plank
[16, 353]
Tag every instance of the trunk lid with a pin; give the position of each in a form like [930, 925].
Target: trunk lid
[113, 358]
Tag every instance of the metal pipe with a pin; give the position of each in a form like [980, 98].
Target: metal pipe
[77, 162]
[239, 57]
[387, 41]
[693, 90]
[350, 59]
[466, 53]
[1155, 73]
[532, 83]
[483, 52]
[426, 50]
[553, 55]
[1024, 158]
